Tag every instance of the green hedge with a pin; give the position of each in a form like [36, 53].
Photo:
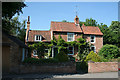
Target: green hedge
[39, 61]
[62, 57]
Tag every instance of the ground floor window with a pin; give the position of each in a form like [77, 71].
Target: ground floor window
[71, 50]
[35, 53]
[93, 48]
[47, 54]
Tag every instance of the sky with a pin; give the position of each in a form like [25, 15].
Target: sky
[42, 13]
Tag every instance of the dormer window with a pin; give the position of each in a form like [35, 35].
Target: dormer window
[92, 39]
[38, 37]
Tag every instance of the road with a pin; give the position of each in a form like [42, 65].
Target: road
[88, 75]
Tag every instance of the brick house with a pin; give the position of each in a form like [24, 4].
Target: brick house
[69, 31]
[14, 52]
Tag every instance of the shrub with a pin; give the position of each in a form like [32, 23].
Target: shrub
[93, 57]
[62, 57]
[71, 58]
[109, 51]
[39, 61]
[82, 66]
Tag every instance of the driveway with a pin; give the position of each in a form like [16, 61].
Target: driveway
[88, 75]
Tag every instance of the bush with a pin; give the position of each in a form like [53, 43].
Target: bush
[109, 51]
[39, 61]
[82, 66]
[62, 57]
[93, 57]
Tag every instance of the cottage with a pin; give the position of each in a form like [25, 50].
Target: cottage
[14, 52]
[69, 31]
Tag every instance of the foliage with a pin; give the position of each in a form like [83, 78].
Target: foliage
[83, 48]
[89, 22]
[109, 51]
[82, 67]
[64, 20]
[40, 48]
[39, 61]
[8, 11]
[92, 57]
[62, 57]
[111, 33]
[61, 45]
[16, 28]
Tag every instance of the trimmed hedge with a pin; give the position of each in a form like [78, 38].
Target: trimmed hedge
[39, 61]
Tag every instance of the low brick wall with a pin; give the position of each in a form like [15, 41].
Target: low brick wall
[102, 66]
[68, 67]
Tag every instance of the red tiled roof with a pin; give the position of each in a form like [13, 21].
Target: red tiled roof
[46, 36]
[65, 27]
[91, 30]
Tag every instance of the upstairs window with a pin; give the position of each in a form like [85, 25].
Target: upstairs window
[92, 39]
[70, 37]
[38, 37]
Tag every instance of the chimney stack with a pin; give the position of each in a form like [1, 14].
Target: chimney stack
[28, 28]
[76, 20]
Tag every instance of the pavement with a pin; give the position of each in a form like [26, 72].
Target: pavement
[44, 76]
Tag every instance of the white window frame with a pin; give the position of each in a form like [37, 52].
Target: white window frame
[67, 36]
[73, 50]
[40, 38]
[94, 48]
[23, 54]
[34, 54]
[94, 38]
[48, 52]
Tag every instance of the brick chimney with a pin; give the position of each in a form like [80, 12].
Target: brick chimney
[76, 20]
[28, 28]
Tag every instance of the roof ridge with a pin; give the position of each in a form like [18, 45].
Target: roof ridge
[61, 22]
[40, 30]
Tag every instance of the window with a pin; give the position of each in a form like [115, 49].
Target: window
[71, 50]
[35, 53]
[70, 36]
[38, 37]
[93, 48]
[23, 55]
[92, 39]
[47, 53]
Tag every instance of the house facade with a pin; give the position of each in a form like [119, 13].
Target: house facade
[69, 31]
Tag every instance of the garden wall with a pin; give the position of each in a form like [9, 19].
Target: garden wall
[102, 66]
[68, 67]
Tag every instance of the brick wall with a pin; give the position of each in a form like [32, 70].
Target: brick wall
[102, 66]
[64, 35]
[68, 67]
[98, 41]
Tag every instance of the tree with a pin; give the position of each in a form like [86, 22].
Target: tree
[9, 9]
[17, 28]
[64, 20]
[109, 52]
[115, 29]
[89, 22]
